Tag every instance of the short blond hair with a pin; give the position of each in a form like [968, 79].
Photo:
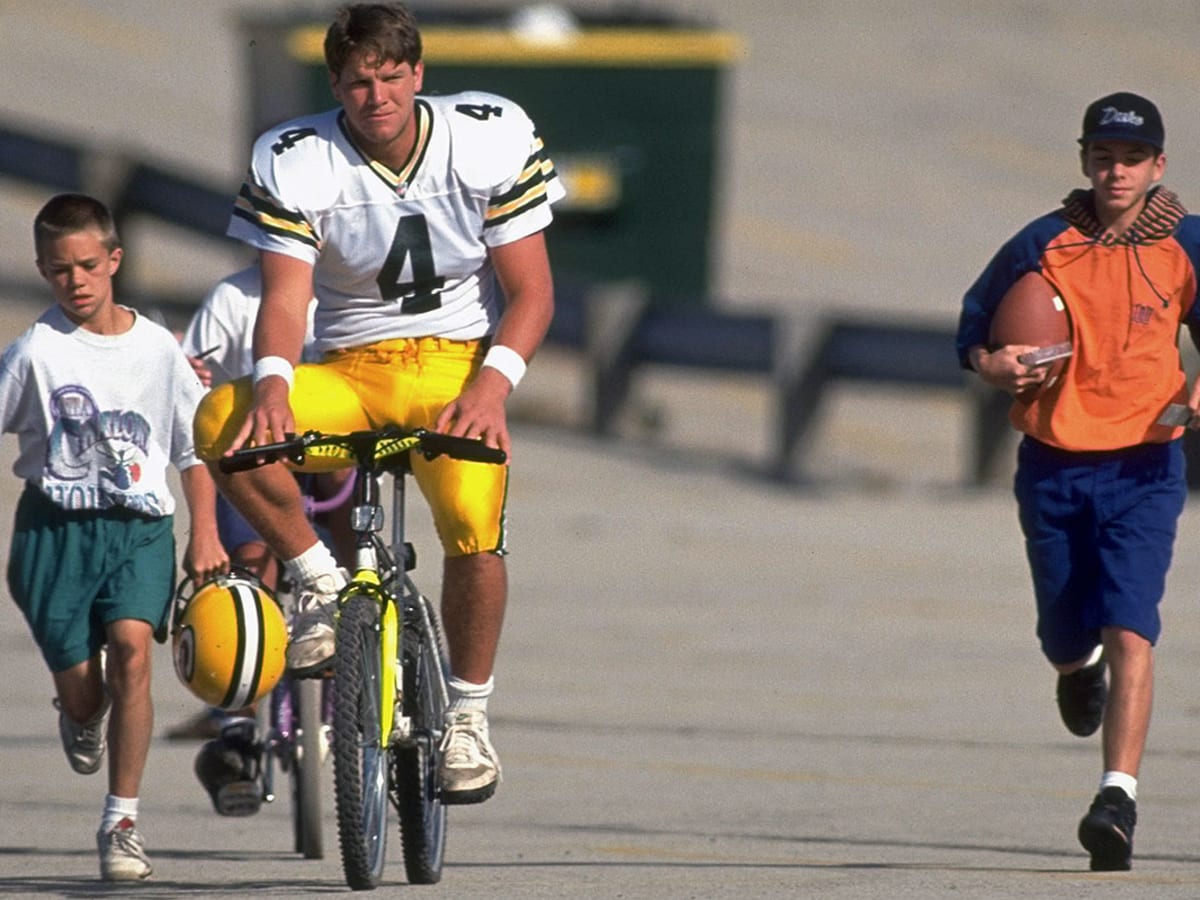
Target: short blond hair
[68, 214]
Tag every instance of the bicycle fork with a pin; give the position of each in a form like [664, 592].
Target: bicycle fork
[366, 520]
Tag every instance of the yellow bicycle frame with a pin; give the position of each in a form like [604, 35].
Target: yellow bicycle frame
[366, 581]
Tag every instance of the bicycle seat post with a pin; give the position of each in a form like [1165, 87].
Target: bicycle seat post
[398, 549]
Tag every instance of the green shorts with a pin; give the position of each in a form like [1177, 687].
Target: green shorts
[72, 573]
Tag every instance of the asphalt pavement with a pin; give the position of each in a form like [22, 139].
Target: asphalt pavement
[710, 686]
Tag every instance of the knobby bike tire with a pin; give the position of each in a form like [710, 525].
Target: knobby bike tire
[418, 801]
[306, 774]
[360, 759]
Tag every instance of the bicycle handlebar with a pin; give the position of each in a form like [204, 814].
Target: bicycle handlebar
[430, 444]
[434, 443]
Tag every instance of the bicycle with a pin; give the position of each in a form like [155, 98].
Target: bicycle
[295, 728]
[390, 665]
[295, 735]
[290, 728]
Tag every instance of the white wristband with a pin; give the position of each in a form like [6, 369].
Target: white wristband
[507, 362]
[273, 365]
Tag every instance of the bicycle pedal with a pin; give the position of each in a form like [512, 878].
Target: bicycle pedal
[321, 670]
[402, 731]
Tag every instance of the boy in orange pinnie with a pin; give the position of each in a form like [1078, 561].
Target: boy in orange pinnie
[1100, 472]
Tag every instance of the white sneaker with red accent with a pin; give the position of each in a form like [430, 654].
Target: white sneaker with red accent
[123, 853]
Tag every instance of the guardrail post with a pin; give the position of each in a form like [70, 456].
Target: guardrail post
[801, 391]
[990, 431]
[613, 312]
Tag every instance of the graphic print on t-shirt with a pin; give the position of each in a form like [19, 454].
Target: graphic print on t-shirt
[94, 457]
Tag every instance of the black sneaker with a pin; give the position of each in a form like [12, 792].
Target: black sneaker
[1106, 832]
[1081, 698]
[230, 768]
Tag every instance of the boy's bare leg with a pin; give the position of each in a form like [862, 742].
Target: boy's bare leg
[1130, 698]
[80, 690]
[132, 723]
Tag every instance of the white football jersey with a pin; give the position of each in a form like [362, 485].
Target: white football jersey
[400, 253]
[222, 328]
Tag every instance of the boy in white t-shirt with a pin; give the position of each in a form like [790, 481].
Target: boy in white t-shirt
[92, 561]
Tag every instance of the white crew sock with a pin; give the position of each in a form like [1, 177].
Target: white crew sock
[310, 565]
[465, 695]
[116, 809]
[1125, 782]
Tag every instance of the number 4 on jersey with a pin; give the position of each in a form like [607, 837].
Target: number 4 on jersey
[480, 111]
[423, 293]
[291, 138]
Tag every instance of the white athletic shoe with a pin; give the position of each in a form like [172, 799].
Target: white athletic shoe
[470, 769]
[84, 744]
[123, 853]
[311, 647]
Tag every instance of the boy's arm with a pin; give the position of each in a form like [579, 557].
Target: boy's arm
[1194, 400]
[204, 557]
[1003, 369]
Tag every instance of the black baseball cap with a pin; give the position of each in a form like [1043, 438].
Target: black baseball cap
[1123, 117]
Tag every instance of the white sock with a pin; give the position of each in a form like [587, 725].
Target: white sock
[465, 696]
[314, 562]
[116, 809]
[1127, 783]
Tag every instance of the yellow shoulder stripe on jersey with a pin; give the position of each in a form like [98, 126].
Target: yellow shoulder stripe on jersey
[531, 197]
[258, 207]
[528, 192]
[615, 46]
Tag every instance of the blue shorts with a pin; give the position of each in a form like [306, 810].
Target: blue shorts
[232, 527]
[1099, 531]
[234, 531]
[72, 573]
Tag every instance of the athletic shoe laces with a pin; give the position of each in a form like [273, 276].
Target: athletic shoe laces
[465, 744]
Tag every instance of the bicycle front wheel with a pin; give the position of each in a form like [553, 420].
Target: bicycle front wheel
[418, 801]
[306, 772]
[360, 754]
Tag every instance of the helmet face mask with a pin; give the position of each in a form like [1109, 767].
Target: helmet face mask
[228, 640]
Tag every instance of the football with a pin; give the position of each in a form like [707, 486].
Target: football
[1031, 312]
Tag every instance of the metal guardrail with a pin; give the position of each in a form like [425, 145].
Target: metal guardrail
[41, 160]
[622, 333]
